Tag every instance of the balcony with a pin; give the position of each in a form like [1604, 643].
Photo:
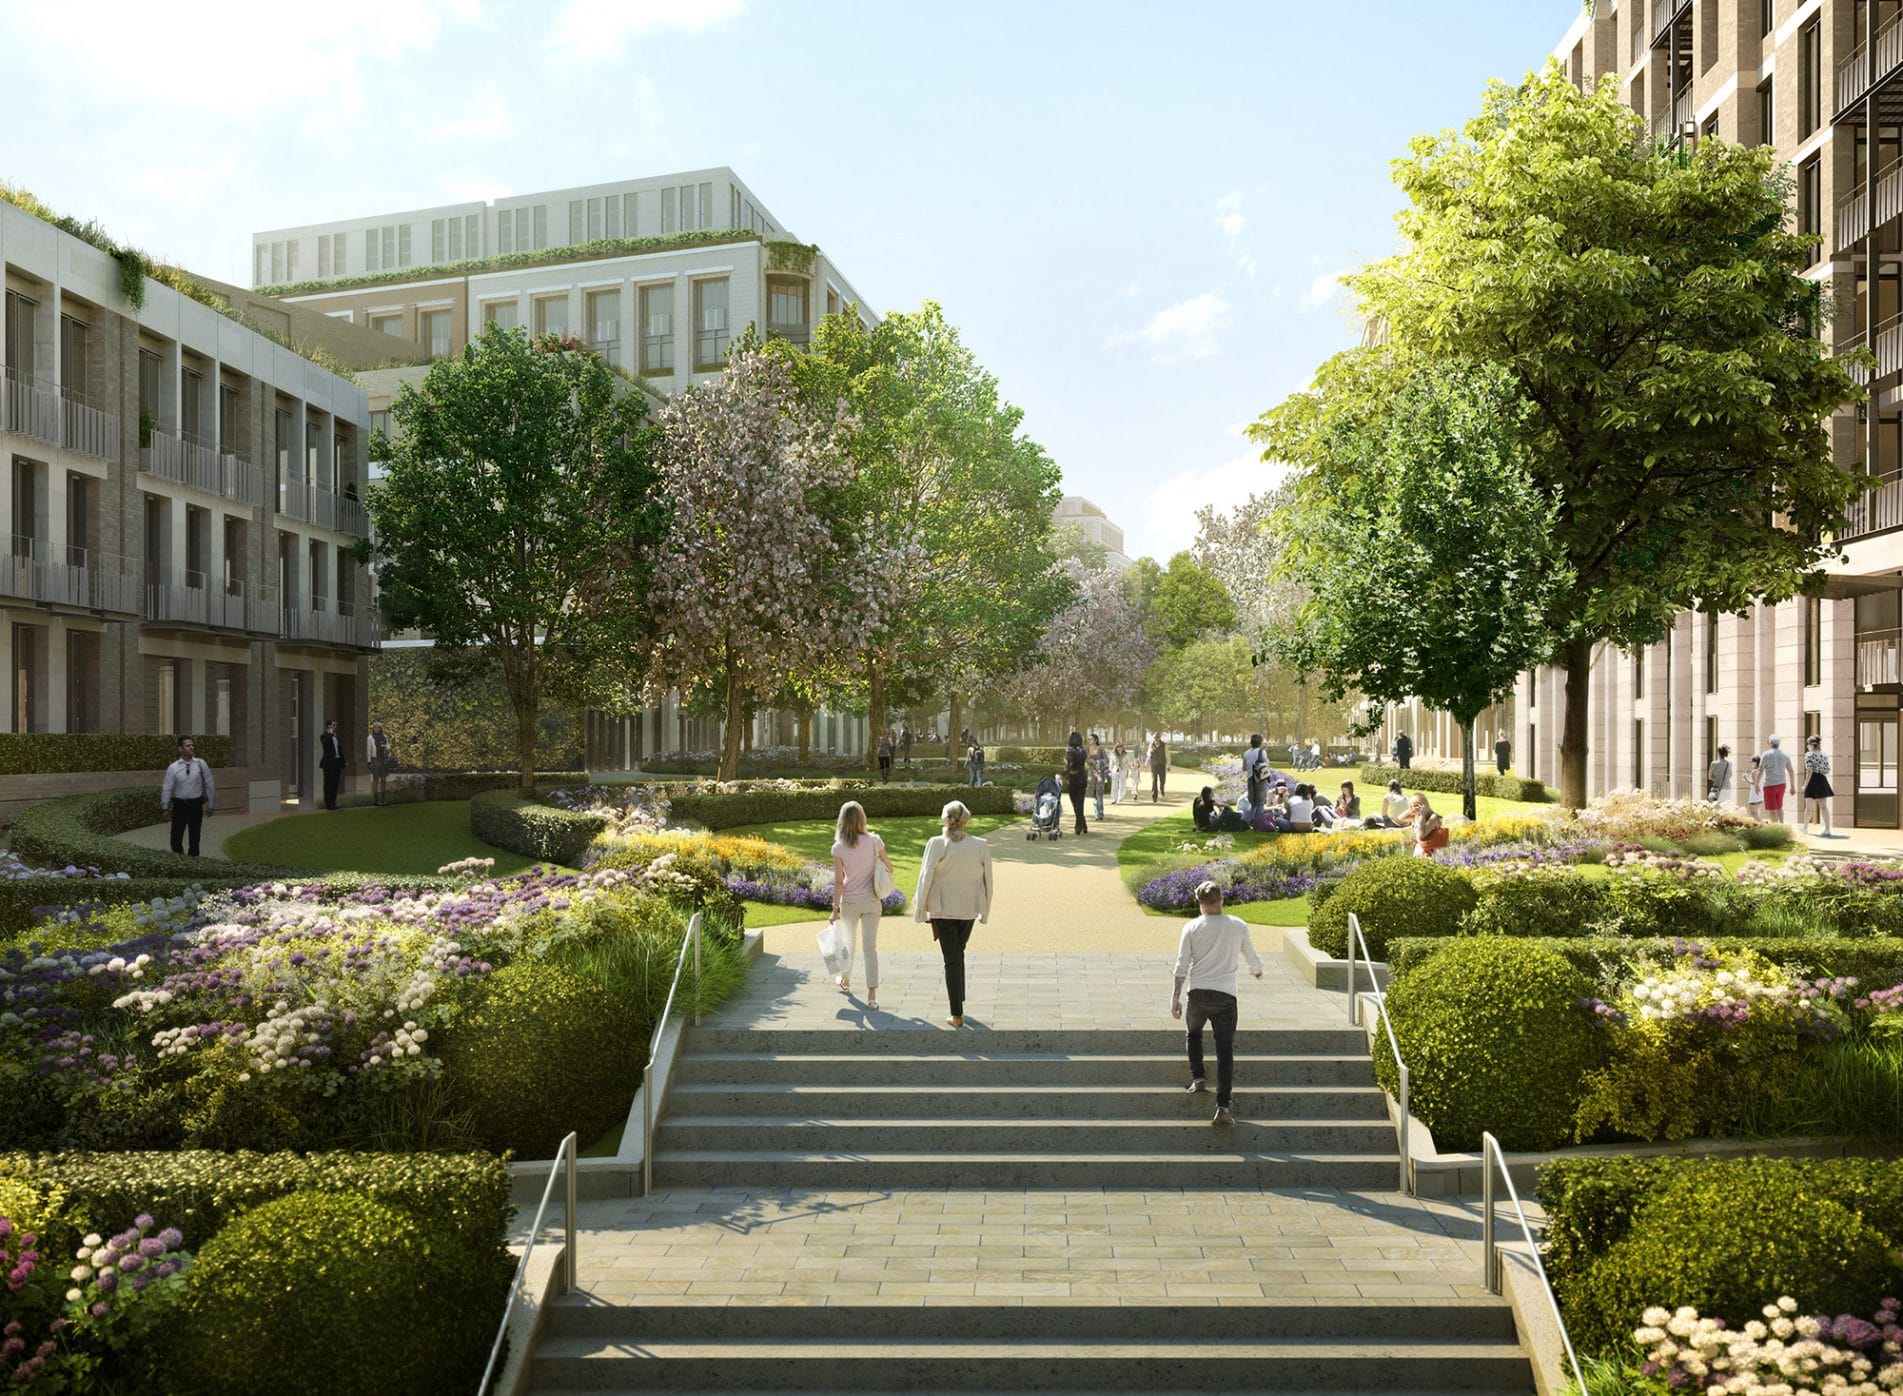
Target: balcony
[1879, 510]
[171, 455]
[1854, 78]
[86, 428]
[309, 502]
[800, 334]
[1670, 125]
[344, 627]
[191, 598]
[1877, 658]
[32, 407]
[1668, 13]
[89, 581]
[1857, 372]
[1889, 347]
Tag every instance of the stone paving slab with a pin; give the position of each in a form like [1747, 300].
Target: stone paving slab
[746, 1246]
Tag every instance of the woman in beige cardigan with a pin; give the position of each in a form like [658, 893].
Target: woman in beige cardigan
[954, 894]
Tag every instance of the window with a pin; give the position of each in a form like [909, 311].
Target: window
[1767, 115]
[670, 219]
[706, 207]
[320, 589]
[1638, 672]
[234, 559]
[1810, 199]
[630, 206]
[1767, 16]
[282, 437]
[1711, 653]
[403, 246]
[612, 228]
[171, 711]
[1707, 36]
[72, 356]
[221, 702]
[1813, 640]
[29, 508]
[604, 320]
[1813, 726]
[82, 681]
[261, 265]
[1638, 754]
[657, 329]
[79, 513]
[786, 309]
[503, 313]
[832, 301]
[388, 324]
[228, 418]
[1810, 79]
[446, 240]
[330, 254]
[433, 332]
[1711, 748]
[541, 226]
[551, 315]
[576, 223]
[191, 403]
[710, 324]
[1710, 131]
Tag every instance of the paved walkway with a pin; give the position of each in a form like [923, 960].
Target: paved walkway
[211, 841]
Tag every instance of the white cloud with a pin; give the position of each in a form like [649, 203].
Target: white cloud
[1321, 290]
[1187, 330]
[1130, 290]
[1229, 214]
[595, 33]
[1167, 523]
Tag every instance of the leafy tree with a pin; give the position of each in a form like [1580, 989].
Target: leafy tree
[758, 581]
[1649, 305]
[1208, 685]
[1426, 550]
[1189, 603]
[518, 476]
[1091, 658]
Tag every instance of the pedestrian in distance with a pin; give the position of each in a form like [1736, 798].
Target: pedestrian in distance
[379, 762]
[975, 760]
[1502, 754]
[1817, 791]
[1754, 790]
[1718, 777]
[1077, 778]
[1159, 767]
[187, 791]
[905, 745]
[885, 757]
[954, 895]
[331, 762]
[1098, 774]
[1777, 770]
[1403, 750]
[1206, 959]
[1132, 771]
[1255, 764]
[1116, 774]
[857, 853]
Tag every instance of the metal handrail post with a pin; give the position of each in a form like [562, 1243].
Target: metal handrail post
[1404, 1119]
[570, 1209]
[693, 928]
[1491, 1263]
[569, 1146]
[1354, 936]
[1489, 1257]
[647, 1131]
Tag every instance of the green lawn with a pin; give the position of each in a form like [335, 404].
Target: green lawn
[412, 838]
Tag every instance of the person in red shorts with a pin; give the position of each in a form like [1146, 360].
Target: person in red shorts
[1777, 779]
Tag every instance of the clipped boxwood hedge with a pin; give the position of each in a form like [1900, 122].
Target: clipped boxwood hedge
[718, 811]
[45, 753]
[1448, 782]
[1727, 1235]
[1391, 897]
[79, 829]
[508, 819]
[1871, 960]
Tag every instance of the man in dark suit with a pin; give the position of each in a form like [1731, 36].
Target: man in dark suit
[1403, 750]
[331, 762]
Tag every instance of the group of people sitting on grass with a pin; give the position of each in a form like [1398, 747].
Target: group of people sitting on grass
[1299, 810]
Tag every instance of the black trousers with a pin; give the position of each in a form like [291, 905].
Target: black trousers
[1156, 785]
[952, 937]
[885, 768]
[1219, 1011]
[333, 776]
[1076, 788]
[188, 818]
[1255, 793]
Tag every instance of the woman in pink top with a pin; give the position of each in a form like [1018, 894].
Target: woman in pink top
[856, 850]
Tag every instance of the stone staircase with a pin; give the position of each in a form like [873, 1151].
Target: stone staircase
[1059, 1109]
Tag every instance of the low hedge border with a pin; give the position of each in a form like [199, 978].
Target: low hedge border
[1872, 960]
[1499, 787]
[717, 811]
[510, 820]
[78, 831]
[23, 901]
[59, 753]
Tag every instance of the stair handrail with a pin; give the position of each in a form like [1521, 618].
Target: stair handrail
[565, 1155]
[1491, 1267]
[649, 1080]
[1356, 943]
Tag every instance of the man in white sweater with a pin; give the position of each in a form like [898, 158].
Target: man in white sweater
[1206, 960]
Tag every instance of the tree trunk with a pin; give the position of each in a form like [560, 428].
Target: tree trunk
[803, 720]
[1467, 806]
[730, 739]
[875, 714]
[525, 706]
[955, 724]
[1301, 710]
[1574, 725]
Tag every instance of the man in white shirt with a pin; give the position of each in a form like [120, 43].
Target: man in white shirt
[186, 794]
[1254, 764]
[1206, 961]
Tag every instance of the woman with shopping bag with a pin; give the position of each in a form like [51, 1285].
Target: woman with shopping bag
[954, 894]
[862, 876]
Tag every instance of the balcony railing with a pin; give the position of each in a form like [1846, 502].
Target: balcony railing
[1853, 210]
[793, 334]
[1854, 78]
[31, 571]
[32, 407]
[90, 430]
[1880, 509]
[1664, 16]
[172, 455]
[1670, 124]
[309, 502]
[329, 627]
[1889, 347]
[1844, 346]
[1878, 658]
[187, 599]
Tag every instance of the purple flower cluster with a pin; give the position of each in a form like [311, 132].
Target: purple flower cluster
[73, 1052]
[1604, 1012]
[25, 1260]
[1863, 1335]
[1869, 874]
[750, 889]
[1536, 854]
[1176, 891]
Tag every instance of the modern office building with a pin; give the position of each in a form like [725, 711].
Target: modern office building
[1822, 82]
[657, 275]
[181, 506]
[1090, 521]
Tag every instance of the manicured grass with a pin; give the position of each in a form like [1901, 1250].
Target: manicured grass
[414, 838]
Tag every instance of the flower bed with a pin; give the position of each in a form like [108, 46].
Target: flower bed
[746, 867]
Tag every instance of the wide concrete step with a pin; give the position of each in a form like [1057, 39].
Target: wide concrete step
[1190, 1133]
[1013, 1069]
[784, 1363]
[831, 1042]
[1518, 1388]
[1096, 1102]
[775, 1168]
[1474, 1320]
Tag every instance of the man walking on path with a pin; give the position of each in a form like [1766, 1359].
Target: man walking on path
[1206, 960]
[1403, 750]
[1159, 766]
[188, 790]
[1502, 754]
[331, 762]
[1777, 779]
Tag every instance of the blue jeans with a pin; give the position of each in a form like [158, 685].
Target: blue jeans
[1099, 798]
[977, 764]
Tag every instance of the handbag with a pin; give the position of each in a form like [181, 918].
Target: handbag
[882, 883]
[835, 949]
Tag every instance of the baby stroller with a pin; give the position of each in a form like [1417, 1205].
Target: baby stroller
[1047, 810]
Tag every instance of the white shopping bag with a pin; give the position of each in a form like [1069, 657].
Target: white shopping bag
[836, 948]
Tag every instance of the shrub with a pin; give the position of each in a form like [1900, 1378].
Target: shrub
[1392, 897]
[34, 753]
[1637, 904]
[1038, 757]
[335, 1295]
[79, 829]
[1449, 783]
[1552, 902]
[1711, 844]
[25, 901]
[1494, 1038]
[1722, 1235]
[729, 811]
[1872, 961]
[1767, 836]
[540, 1052]
[507, 819]
[457, 715]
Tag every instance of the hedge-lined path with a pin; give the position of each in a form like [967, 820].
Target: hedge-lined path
[211, 843]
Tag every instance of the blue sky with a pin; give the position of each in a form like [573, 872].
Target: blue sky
[1135, 213]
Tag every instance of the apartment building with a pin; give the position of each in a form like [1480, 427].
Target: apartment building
[658, 275]
[1822, 82]
[1093, 524]
[181, 503]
